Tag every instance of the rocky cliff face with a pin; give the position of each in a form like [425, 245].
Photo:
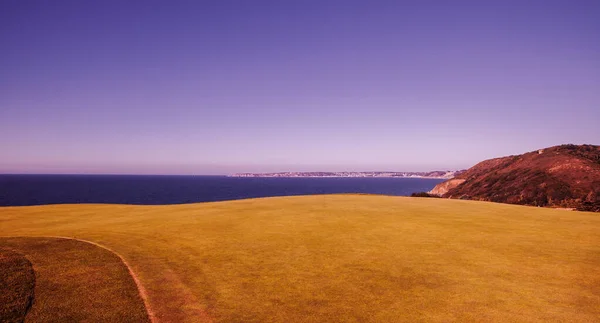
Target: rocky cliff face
[562, 176]
[444, 187]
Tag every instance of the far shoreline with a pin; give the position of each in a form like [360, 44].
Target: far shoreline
[299, 176]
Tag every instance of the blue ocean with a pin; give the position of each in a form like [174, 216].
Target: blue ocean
[18, 190]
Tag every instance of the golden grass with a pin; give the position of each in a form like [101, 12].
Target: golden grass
[78, 282]
[344, 258]
[17, 282]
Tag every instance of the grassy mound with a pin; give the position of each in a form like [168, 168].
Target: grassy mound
[78, 282]
[17, 282]
[343, 258]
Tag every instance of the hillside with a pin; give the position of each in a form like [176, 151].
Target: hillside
[565, 176]
[326, 258]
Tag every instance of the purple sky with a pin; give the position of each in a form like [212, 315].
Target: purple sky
[214, 87]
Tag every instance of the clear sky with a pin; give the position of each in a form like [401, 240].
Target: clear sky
[214, 87]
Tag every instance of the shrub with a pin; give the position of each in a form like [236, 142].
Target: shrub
[589, 206]
[423, 194]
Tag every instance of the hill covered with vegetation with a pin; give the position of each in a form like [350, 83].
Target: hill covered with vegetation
[566, 176]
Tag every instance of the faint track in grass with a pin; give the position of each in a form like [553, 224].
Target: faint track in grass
[140, 287]
[181, 305]
[38, 248]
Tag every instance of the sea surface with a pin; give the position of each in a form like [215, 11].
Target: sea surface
[18, 190]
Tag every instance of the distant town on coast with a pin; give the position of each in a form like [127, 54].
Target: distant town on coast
[440, 174]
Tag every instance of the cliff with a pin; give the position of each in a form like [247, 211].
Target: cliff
[566, 176]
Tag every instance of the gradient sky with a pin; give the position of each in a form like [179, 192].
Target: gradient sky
[214, 87]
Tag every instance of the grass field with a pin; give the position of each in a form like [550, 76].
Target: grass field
[351, 258]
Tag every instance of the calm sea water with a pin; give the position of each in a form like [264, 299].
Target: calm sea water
[125, 189]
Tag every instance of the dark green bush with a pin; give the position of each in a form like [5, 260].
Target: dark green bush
[423, 194]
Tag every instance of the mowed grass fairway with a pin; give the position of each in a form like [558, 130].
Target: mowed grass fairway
[74, 282]
[350, 258]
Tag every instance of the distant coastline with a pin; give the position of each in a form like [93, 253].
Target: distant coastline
[431, 174]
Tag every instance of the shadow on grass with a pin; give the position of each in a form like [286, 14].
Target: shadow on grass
[17, 281]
